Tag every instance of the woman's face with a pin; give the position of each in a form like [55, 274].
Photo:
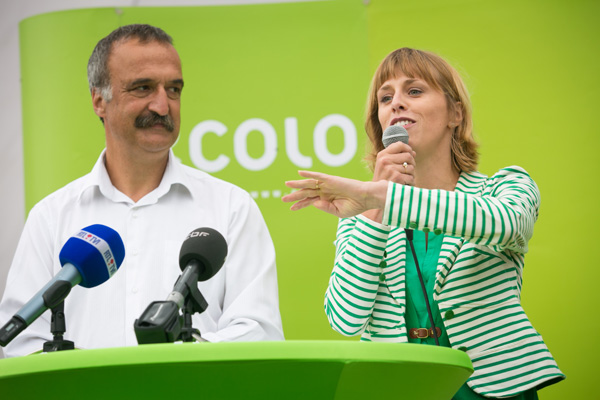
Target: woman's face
[420, 109]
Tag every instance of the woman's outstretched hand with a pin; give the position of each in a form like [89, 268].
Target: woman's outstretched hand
[335, 195]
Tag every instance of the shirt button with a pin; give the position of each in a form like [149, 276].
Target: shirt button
[437, 231]
[426, 230]
[449, 314]
[385, 253]
[383, 264]
[462, 348]
[382, 277]
[413, 225]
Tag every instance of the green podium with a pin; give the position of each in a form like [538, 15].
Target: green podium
[251, 370]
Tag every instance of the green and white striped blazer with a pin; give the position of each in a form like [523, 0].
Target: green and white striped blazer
[487, 223]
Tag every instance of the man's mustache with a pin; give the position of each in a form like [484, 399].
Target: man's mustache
[152, 118]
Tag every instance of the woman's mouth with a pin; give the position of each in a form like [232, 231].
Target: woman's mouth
[403, 122]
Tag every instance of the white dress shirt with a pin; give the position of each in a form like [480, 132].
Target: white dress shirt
[242, 296]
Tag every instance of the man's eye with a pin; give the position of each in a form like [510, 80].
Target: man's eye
[174, 92]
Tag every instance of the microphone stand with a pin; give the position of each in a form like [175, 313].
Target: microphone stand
[162, 323]
[194, 303]
[54, 299]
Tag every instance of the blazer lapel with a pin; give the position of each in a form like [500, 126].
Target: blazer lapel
[450, 248]
[468, 183]
[397, 285]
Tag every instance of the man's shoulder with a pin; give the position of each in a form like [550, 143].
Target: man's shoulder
[198, 178]
[66, 195]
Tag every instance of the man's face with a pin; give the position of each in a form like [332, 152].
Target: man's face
[143, 114]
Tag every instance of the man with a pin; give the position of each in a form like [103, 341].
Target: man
[153, 202]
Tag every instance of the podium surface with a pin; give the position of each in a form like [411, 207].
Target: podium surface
[311, 370]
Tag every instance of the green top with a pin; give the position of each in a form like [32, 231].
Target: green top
[416, 308]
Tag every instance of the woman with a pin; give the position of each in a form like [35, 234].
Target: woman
[470, 235]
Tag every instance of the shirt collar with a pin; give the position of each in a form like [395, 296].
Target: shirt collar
[174, 175]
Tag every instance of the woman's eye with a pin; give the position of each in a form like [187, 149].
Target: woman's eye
[386, 99]
[415, 92]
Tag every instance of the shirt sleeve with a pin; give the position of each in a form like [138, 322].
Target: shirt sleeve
[501, 216]
[354, 281]
[31, 269]
[251, 300]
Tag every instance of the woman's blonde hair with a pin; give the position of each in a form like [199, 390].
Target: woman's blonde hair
[441, 76]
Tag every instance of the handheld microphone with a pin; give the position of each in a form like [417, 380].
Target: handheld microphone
[393, 134]
[201, 256]
[89, 258]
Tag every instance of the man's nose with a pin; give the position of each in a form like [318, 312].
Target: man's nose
[160, 102]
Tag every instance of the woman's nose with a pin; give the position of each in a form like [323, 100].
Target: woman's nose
[398, 103]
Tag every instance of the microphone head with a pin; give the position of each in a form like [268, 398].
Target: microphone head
[393, 134]
[207, 246]
[97, 252]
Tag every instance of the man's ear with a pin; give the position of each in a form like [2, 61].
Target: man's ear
[99, 103]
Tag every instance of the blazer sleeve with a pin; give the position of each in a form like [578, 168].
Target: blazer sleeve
[354, 282]
[500, 214]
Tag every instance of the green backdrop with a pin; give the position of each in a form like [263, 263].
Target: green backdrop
[274, 88]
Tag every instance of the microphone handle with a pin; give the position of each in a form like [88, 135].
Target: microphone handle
[11, 329]
[36, 306]
[176, 298]
[189, 276]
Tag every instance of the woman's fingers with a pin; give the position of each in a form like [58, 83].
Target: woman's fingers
[336, 195]
[300, 195]
[396, 163]
[303, 184]
[314, 175]
[303, 203]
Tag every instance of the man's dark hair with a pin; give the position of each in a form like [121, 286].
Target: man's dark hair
[98, 74]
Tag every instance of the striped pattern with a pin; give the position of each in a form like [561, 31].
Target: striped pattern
[487, 224]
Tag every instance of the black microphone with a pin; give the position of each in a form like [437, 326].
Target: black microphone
[393, 134]
[89, 259]
[201, 256]
[204, 249]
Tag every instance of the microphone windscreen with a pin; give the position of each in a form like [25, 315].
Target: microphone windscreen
[207, 246]
[97, 252]
[393, 134]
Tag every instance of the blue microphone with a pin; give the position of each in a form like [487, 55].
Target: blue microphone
[89, 258]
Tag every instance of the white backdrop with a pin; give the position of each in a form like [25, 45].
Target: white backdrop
[12, 203]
